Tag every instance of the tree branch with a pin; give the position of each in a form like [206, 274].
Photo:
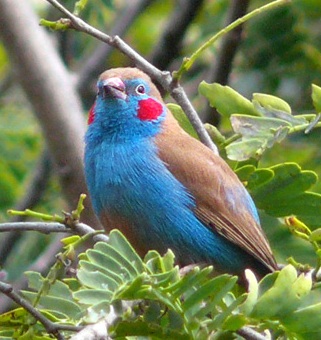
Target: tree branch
[53, 227]
[164, 78]
[42, 227]
[46, 228]
[40, 265]
[250, 334]
[95, 64]
[51, 327]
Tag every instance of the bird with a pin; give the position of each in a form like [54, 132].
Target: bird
[164, 189]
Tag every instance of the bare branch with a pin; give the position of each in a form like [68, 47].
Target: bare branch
[53, 227]
[95, 64]
[41, 265]
[42, 227]
[164, 78]
[50, 326]
[84, 229]
[250, 334]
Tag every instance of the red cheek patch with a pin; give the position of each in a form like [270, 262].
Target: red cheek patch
[149, 109]
[91, 115]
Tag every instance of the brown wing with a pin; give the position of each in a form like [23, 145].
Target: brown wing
[221, 201]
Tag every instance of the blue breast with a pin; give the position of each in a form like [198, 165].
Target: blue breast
[131, 181]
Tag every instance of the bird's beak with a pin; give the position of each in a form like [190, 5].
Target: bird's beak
[115, 88]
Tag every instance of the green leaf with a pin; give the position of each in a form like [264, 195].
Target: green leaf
[220, 285]
[223, 286]
[153, 312]
[137, 289]
[119, 242]
[316, 97]
[285, 296]
[276, 108]
[315, 235]
[226, 100]
[96, 280]
[305, 321]
[103, 260]
[91, 267]
[13, 318]
[286, 192]
[120, 258]
[259, 177]
[234, 322]
[260, 124]
[176, 321]
[66, 307]
[165, 279]
[263, 127]
[97, 311]
[193, 278]
[93, 296]
[70, 240]
[58, 288]
[258, 134]
[245, 149]
[289, 180]
[305, 206]
[220, 319]
[182, 119]
[271, 102]
[244, 172]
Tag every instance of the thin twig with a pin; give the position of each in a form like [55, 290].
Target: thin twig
[95, 63]
[51, 327]
[188, 62]
[42, 227]
[54, 227]
[250, 334]
[43, 260]
[40, 265]
[46, 228]
[164, 78]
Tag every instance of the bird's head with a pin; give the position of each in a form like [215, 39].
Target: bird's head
[128, 105]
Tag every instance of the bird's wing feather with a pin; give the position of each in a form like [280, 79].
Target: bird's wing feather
[222, 203]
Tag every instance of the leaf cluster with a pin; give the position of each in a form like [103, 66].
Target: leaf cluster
[151, 297]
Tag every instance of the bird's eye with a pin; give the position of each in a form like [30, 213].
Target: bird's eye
[140, 89]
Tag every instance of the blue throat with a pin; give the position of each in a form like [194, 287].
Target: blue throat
[129, 179]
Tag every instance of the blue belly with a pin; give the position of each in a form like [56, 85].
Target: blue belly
[135, 184]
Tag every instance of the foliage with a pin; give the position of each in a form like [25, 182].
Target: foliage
[269, 143]
[164, 302]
